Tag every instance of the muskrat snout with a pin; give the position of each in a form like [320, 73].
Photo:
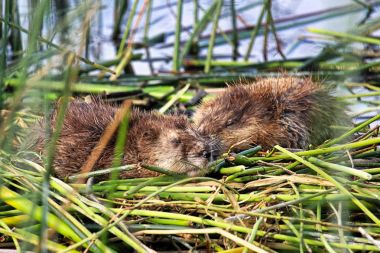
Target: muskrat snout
[213, 150]
[210, 155]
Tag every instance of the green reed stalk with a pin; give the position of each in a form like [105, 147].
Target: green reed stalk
[235, 37]
[241, 229]
[77, 199]
[352, 131]
[28, 207]
[213, 35]
[338, 167]
[25, 63]
[176, 97]
[199, 27]
[333, 181]
[146, 35]
[177, 41]
[33, 239]
[253, 234]
[3, 48]
[346, 36]
[320, 151]
[127, 29]
[255, 32]
[63, 50]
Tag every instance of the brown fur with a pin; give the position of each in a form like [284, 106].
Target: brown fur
[165, 141]
[290, 111]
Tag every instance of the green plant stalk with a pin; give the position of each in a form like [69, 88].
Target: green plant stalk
[146, 34]
[67, 191]
[120, 143]
[333, 181]
[63, 50]
[79, 228]
[232, 170]
[148, 183]
[250, 171]
[15, 242]
[255, 32]
[160, 170]
[182, 223]
[101, 172]
[79, 87]
[274, 32]
[3, 60]
[28, 207]
[338, 167]
[213, 35]
[251, 151]
[290, 199]
[320, 151]
[51, 145]
[370, 94]
[199, 27]
[219, 231]
[18, 94]
[231, 227]
[148, 188]
[346, 36]
[177, 41]
[352, 131]
[127, 29]
[33, 239]
[254, 232]
[276, 217]
[15, 220]
[235, 37]
[177, 96]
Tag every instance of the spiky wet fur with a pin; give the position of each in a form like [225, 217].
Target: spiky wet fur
[166, 141]
[290, 111]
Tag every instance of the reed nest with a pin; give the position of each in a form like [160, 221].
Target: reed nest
[322, 199]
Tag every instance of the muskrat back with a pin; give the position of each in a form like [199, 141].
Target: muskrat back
[290, 111]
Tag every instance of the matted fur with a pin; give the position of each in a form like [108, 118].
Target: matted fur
[290, 111]
[166, 141]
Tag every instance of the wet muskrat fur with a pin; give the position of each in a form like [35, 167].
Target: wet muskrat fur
[290, 111]
[166, 141]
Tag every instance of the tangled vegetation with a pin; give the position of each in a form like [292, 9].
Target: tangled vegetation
[324, 199]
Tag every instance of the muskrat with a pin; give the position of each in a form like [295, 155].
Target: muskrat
[289, 111]
[166, 141]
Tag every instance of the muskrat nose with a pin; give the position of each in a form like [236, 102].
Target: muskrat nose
[206, 154]
[210, 155]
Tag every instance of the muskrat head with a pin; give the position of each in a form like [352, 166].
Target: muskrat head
[172, 143]
[229, 118]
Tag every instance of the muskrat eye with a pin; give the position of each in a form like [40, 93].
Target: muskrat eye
[230, 122]
[176, 142]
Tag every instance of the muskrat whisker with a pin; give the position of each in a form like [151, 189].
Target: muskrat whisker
[187, 162]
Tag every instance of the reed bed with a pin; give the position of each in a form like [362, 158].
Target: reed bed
[323, 199]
